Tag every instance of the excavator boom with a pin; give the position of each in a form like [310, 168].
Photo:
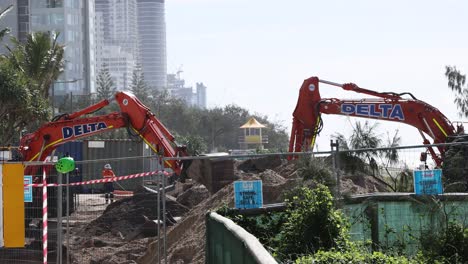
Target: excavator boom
[133, 115]
[386, 106]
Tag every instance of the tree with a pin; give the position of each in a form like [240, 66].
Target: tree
[454, 165]
[20, 105]
[456, 82]
[366, 137]
[105, 85]
[139, 87]
[40, 58]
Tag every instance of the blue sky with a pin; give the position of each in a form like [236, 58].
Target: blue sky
[256, 53]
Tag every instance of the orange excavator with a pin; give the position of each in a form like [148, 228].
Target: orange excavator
[388, 106]
[134, 116]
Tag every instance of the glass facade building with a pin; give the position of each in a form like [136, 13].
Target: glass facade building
[152, 40]
[117, 39]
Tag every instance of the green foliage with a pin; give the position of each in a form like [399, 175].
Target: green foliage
[265, 227]
[20, 105]
[218, 127]
[139, 87]
[310, 223]
[105, 86]
[313, 223]
[41, 58]
[448, 246]
[195, 144]
[454, 169]
[353, 256]
[317, 170]
[456, 83]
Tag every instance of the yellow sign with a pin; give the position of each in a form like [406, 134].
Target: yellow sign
[13, 205]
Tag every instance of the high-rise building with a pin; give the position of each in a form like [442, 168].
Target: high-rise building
[176, 88]
[73, 21]
[201, 95]
[152, 38]
[68, 19]
[117, 39]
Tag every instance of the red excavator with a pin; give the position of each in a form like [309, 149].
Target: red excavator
[134, 116]
[389, 106]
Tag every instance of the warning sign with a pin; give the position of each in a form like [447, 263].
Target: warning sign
[428, 182]
[248, 194]
[28, 189]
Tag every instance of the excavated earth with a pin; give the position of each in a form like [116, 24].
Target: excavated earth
[125, 232]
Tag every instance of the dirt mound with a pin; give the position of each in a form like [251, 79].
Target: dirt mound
[361, 184]
[186, 240]
[128, 216]
[260, 164]
[193, 196]
[214, 174]
[270, 177]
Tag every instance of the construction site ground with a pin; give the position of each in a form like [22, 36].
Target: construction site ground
[123, 231]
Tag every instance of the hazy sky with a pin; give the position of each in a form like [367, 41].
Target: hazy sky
[256, 53]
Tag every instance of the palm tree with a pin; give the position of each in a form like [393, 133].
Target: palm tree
[40, 58]
[365, 136]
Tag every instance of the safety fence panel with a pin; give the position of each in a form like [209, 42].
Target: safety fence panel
[25, 235]
[227, 242]
[398, 220]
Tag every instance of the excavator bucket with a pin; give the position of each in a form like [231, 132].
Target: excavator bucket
[213, 173]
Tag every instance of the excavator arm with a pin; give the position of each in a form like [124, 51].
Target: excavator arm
[387, 106]
[133, 115]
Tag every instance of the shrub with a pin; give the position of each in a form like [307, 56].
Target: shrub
[313, 223]
[317, 170]
[353, 257]
[447, 246]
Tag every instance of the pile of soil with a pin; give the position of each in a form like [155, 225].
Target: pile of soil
[186, 240]
[129, 215]
[119, 234]
[106, 239]
[193, 196]
[361, 184]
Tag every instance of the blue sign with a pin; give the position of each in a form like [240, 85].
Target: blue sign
[28, 197]
[248, 194]
[428, 182]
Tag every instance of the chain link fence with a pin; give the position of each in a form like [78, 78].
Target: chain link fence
[83, 228]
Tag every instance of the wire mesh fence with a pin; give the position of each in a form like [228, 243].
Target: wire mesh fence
[85, 228]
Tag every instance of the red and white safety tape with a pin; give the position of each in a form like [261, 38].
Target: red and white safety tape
[113, 179]
[44, 215]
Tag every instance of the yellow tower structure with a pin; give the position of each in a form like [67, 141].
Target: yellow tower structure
[252, 135]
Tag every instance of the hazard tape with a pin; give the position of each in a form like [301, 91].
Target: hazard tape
[113, 179]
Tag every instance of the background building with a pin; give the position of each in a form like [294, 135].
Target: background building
[152, 38]
[74, 21]
[117, 39]
[176, 88]
[69, 19]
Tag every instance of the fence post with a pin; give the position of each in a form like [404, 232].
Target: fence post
[335, 148]
[158, 212]
[59, 218]
[68, 218]
[164, 177]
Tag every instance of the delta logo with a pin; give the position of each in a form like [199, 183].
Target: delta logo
[388, 111]
[84, 129]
